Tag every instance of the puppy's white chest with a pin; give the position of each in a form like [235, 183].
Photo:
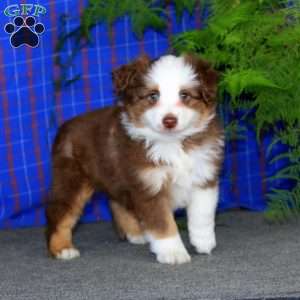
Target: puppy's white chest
[184, 170]
[176, 162]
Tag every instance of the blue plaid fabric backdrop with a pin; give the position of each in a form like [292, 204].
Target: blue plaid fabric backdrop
[31, 111]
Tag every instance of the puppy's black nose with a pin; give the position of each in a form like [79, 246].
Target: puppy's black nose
[169, 121]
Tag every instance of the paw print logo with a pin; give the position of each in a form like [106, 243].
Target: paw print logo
[24, 31]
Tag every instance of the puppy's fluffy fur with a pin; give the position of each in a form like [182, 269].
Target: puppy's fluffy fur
[160, 148]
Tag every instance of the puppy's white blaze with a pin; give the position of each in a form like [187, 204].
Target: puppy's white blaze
[169, 250]
[154, 179]
[68, 253]
[201, 218]
[171, 72]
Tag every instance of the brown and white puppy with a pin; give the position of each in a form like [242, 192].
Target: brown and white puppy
[159, 149]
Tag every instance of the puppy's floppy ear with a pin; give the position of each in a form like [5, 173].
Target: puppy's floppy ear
[129, 76]
[207, 76]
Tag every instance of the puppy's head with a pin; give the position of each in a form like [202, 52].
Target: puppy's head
[169, 98]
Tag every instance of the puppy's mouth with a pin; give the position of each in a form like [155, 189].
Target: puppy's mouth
[170, 132]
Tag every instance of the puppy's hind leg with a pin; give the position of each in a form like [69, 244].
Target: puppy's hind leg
[70, 192]
[127, 224]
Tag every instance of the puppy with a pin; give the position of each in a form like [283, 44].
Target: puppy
[160, 148]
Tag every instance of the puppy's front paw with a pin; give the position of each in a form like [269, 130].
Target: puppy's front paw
[136, 239]
[204, 244]
[174, 256]
[67, 254]
[169, 250]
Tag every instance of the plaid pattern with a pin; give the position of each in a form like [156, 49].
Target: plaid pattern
[30, 113]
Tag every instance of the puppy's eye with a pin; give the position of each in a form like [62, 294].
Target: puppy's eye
[153, 97]
[184, 95]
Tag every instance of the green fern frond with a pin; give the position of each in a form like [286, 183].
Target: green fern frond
[255, 44]
[142, 13]
[292, 154]
[182, 5]
[283, 205]
[247, 80]
[235, 131]
[143, 16]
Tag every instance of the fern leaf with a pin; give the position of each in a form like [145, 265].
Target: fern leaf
[182, 5]
[247, 80]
